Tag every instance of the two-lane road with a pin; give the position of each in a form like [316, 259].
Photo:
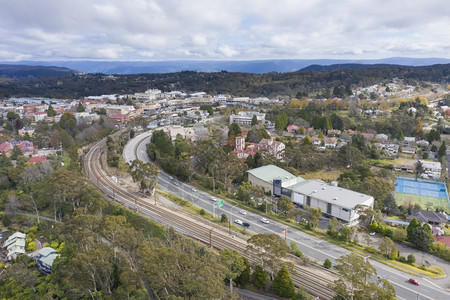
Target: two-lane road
[315, 248]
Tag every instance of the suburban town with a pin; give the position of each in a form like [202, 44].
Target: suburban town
[355, 182]
[198, 150]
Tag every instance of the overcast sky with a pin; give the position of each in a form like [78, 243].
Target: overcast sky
[222, 29]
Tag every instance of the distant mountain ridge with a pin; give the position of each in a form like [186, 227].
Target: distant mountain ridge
[320, 68]
[249, 66]
[24, 71]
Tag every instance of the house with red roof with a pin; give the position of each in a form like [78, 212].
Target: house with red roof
[36, 159]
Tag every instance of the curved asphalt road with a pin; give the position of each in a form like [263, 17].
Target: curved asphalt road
[314, 248]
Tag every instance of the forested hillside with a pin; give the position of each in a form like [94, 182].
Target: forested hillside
[22, 71]
[237, 84]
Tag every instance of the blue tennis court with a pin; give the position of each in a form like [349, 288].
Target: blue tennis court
[420, 188]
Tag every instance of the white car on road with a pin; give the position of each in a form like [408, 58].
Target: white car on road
[214, 199]
[265, 221]
[194, 190]
[242, 212]
[237, 221]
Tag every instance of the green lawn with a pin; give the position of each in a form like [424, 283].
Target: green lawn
[404, 199]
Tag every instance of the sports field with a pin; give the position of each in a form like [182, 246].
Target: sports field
[426, 193]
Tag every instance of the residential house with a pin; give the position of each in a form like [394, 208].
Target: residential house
[273, 147]
[379, 146]
[36, 159]
[392, 149]
[408, 167]
[409, 150]
[331, 143]
[381, 137]
[14, 245]
[431, 168]
[409, 140]
[333, 132]
[45, 258]
[293, 128]
[5, 148]
[316, 141]
[39, 116]
[433, 218]
[270, 145]
[423, 143]
[118, 118]
[29, 130]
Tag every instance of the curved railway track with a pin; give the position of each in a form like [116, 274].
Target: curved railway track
[213, 235]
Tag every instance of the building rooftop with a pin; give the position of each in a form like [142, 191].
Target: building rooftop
[323, 191]
[270, 172]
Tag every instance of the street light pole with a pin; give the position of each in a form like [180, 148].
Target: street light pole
[231, 212]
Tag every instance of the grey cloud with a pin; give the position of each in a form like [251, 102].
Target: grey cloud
[234, 29]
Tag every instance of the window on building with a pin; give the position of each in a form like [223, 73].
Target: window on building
[329, 208]
[308, 200]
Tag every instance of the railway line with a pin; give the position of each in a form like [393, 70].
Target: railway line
[314, 280]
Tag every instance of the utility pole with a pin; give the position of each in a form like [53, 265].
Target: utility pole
[210, 238]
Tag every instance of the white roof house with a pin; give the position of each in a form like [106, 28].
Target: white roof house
[333, 200]
[431, 168]
[15, 245]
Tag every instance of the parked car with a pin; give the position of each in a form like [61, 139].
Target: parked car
[372, 233]
[245, 224]
[237, 221]
[413, 281]
[264, 220]
[242, 212]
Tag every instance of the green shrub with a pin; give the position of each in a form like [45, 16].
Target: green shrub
[327, 264]
[31, 246]
[223, 218]
[282, 284]
[202, 212]
[411, 259]
[260, 277]
[301, 295]
[371, 249]
[402, 259]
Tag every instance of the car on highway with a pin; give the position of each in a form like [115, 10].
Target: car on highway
[194, 190]
[413, 281]
[170, 177]
[372, 233]
[242, 212]
[239, 222]
[265, 221]
[175, 183]
[214, 199]
[245, 224]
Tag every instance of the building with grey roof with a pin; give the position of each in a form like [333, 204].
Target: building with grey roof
[45, 258]
[333, 200]
[274, 179]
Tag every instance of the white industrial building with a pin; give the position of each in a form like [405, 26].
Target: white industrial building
[245, 117]
[333, 200]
